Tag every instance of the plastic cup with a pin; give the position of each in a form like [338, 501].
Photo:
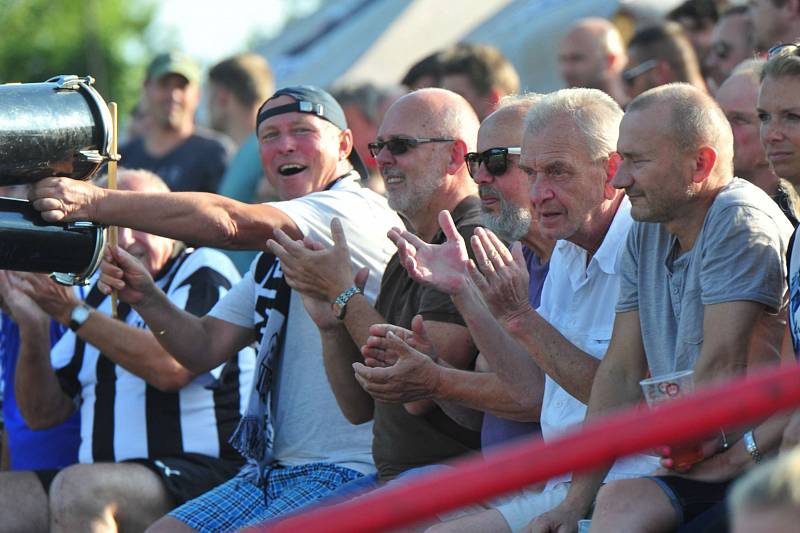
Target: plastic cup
[664, 388]
[584, 525]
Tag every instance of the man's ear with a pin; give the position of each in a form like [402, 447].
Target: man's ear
[345, 144]
[612, 165]
[704, 162]
[493, 98]
[457, 153]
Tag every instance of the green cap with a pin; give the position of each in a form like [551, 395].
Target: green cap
[174, 63]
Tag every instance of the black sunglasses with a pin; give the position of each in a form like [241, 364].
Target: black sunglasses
[778, 48]
[495, 160]
[400, 145]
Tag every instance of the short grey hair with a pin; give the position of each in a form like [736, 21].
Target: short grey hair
[596, 115]
[696, 119]
[125, 175]
[772, 485]
[450, 115]
[511, 100]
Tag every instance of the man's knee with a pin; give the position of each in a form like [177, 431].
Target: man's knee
[636, 504]
[77, 490]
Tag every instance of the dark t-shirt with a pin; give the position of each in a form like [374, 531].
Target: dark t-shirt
[196, 165]
[403, 441]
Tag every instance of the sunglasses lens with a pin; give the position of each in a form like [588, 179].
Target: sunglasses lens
[397, 146]
[496, 163]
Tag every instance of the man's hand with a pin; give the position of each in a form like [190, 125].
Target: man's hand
[313, 269]
[64, 199]
[503, 276]
[56, 300]
[562, 519]
[123, 272]
[414, 376]
[378, 351]
[321, 311]
[709, 449]
[442, 266]
[22, 309]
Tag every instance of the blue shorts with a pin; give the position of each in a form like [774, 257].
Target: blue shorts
[690, 498]
[239, 503]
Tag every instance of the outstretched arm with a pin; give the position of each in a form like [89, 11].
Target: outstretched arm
[197, 343]
[201, 218]
[39, 396]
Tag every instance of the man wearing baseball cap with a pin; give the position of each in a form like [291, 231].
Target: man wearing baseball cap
[299, 445]
[186, 157]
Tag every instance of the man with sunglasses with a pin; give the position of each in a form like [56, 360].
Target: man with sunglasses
[732, 42]
[420, 152]
[774, 22]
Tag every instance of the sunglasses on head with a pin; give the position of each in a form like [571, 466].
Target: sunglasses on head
[634, 72]
[400, 145]
[494, 159]
[778, 48]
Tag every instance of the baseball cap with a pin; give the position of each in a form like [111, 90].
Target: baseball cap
[174, 62]
[314, 101]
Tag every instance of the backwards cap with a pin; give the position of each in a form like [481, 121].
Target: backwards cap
[314, 101]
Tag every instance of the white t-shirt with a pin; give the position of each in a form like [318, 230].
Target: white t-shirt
[579, 300]
[308, 425]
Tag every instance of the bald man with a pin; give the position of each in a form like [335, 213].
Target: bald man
[593, 55]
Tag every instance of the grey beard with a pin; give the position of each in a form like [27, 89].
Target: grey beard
[511, 224]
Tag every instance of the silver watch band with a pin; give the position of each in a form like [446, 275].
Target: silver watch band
[751, 447]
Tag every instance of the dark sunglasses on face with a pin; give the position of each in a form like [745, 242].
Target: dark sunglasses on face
[494, 159]
[400, 145]
[778, 48]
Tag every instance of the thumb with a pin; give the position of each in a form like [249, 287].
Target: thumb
[123, 259]
[361, 277]
[337, 233]
[418, 327]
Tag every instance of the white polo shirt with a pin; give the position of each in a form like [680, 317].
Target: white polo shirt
[579, 301]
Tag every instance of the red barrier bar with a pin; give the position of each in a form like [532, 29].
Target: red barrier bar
[732, 403]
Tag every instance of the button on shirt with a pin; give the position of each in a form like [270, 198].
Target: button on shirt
[578, 299]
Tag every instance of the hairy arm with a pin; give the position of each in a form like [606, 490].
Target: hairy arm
[200, 218]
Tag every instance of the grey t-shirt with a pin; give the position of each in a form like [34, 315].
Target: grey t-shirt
[739, 255]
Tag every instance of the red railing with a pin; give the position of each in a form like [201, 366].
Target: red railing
[737, 402]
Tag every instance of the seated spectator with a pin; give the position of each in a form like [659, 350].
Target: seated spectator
[186, 157]
[774, 22]
[768, 498]
[697, 309]
[307, 153]
[697, 17]
[732, 42]
[738, 97]
[658, 55]
[480, 73]
[153, 433]
[592, 54]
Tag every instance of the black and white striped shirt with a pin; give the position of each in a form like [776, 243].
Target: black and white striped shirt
[123, 417]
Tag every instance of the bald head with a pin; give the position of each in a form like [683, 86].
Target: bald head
[695, 120]
[592, 52]
[436, 112]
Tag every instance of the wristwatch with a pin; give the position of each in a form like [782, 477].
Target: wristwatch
[750, 446]
[340, 303]
[79, 315]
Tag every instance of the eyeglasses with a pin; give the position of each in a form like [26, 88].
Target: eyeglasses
[400, 145]
[634, 72]
[494, 159]
[778, 48]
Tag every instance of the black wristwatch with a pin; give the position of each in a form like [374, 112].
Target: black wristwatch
[78, 316]
[340, 304]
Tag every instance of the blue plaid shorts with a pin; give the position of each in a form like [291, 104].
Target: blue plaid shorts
[239, 503]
